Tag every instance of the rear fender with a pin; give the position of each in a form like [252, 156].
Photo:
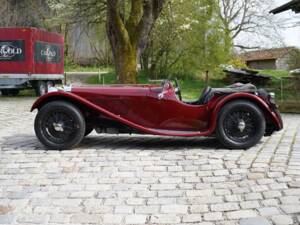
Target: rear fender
[268, 112]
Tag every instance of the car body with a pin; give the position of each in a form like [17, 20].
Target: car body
[155, 110]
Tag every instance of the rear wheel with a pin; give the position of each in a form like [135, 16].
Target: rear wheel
[241, 125]
[59, 125]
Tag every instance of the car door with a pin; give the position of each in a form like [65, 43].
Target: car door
[169, 113]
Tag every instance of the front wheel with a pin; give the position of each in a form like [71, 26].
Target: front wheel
[59, 125]
[241, 125]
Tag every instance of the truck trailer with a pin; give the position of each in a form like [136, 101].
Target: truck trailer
[30, 58]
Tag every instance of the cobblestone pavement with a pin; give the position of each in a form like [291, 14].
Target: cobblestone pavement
[144, 179]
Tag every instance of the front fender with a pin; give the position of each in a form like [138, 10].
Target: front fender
[75, 99]
[268, 111]
[60, 95]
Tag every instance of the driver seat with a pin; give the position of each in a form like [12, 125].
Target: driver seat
[204, 97]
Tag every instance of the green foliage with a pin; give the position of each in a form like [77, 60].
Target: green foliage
[275, 73]
[237, 63]
[186, 41]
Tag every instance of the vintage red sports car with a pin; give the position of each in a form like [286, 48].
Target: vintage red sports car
[238, 115]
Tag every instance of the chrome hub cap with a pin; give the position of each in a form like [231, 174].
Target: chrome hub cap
[58, 127]
[241, 125]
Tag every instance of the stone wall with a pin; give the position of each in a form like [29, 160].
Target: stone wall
[282, 63]
[88, 44]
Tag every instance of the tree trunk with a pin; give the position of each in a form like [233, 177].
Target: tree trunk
[228, 42]
[124, 49]
[128, 39]
[126, 64]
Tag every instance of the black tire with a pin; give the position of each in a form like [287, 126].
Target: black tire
[41, 88]
[5, 92]
[50, 125]
[10, 92]
[14, 92]
[241, 125]
[88, 129]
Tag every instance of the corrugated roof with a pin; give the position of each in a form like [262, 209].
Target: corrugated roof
[266, 54]
[292, 5]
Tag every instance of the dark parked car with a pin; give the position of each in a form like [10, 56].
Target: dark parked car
[238, 115]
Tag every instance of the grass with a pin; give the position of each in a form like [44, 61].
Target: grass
[275, 73]
[70, 67]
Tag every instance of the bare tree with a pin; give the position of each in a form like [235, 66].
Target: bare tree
[31, 13]
[245, 16]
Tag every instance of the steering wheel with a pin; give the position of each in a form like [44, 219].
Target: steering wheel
[177, 89]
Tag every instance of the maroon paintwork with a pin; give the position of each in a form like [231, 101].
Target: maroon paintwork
[139, 107]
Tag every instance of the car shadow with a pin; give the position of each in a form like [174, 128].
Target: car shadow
[143, 142]
[118, 142]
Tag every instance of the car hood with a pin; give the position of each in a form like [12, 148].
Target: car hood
[112, 90]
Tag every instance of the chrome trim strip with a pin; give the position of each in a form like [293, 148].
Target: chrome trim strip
[46, 77]
[14, 76]
[32, 76]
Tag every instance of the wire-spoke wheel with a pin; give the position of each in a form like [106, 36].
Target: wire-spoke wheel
[241, 125]
[59, 125]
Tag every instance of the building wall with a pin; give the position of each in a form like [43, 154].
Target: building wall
[262, 64]
[88, 44]
[282, 63]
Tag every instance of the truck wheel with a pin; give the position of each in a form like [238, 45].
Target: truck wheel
[50, 84]
[59, 125]
[13, 92]
[41, 88]
[241, 125]
[4, 92]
